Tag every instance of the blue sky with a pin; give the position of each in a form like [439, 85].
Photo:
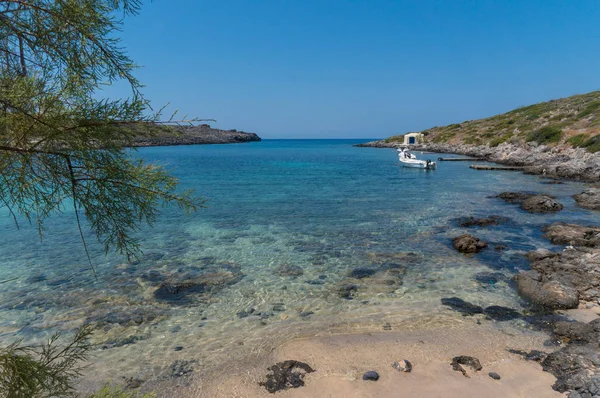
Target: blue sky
[346, 69]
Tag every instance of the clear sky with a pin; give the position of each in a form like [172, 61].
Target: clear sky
[345, 69]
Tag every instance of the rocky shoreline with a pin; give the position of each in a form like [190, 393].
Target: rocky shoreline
[552, 161]
[190, 135]
[557, 281]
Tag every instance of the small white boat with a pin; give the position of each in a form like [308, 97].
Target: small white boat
[407, 159]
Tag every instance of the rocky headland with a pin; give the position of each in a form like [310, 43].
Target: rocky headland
[552, 161]
[187, 135]
[558, 138]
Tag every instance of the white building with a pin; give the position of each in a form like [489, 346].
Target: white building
[413, 138]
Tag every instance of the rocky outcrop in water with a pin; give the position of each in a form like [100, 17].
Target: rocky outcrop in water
[589, 199]
[531, 202]
[468, 244]
[560, 280]
[541, 204]
[558, 162]
[573, 234]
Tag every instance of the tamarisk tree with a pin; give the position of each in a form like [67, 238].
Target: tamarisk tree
[61, 146]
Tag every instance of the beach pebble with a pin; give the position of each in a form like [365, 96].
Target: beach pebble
[403, 366]
[494, 375]
[371, 375]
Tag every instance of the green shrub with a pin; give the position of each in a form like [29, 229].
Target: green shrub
[589, 109]
[592, 144]
[496, 141]
[117, 392]
[577, 140]
[545, 135]
[47, 371]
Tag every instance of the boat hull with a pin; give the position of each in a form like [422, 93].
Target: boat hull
[418, 164]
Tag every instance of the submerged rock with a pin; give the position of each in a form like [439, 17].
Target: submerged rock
[348, 291]
[467, 361]
[285, 375]
[183, 290]
[462, 306]
[362, 272]
[178, 292]
[289, 270]
[181, 368]
[494, 375]
[589, 199]
[125, 316]
[468, 244]
[479, 222]
[514, 197]
[371, 376]
[499, 313]
[490, 278]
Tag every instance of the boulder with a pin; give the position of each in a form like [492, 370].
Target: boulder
[541, 204]
[589, 198]
[468, 244]
[549, 294]
[578, 268]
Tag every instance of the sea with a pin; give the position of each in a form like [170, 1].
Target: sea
[297, 238]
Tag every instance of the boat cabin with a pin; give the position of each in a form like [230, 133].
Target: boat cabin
[413, 138]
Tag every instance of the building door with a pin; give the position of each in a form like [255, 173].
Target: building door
[411, 140]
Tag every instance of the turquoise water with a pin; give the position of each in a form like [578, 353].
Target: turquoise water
[287, 222]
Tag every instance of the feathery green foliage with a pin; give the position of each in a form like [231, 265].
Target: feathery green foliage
[59, 145]
[47, 371]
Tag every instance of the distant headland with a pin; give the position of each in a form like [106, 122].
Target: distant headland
[188, 135]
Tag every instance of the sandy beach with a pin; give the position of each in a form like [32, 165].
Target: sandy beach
[340, 361]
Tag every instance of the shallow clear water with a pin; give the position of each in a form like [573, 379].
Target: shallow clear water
[319, 208]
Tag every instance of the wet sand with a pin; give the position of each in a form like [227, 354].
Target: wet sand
[340, 362]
